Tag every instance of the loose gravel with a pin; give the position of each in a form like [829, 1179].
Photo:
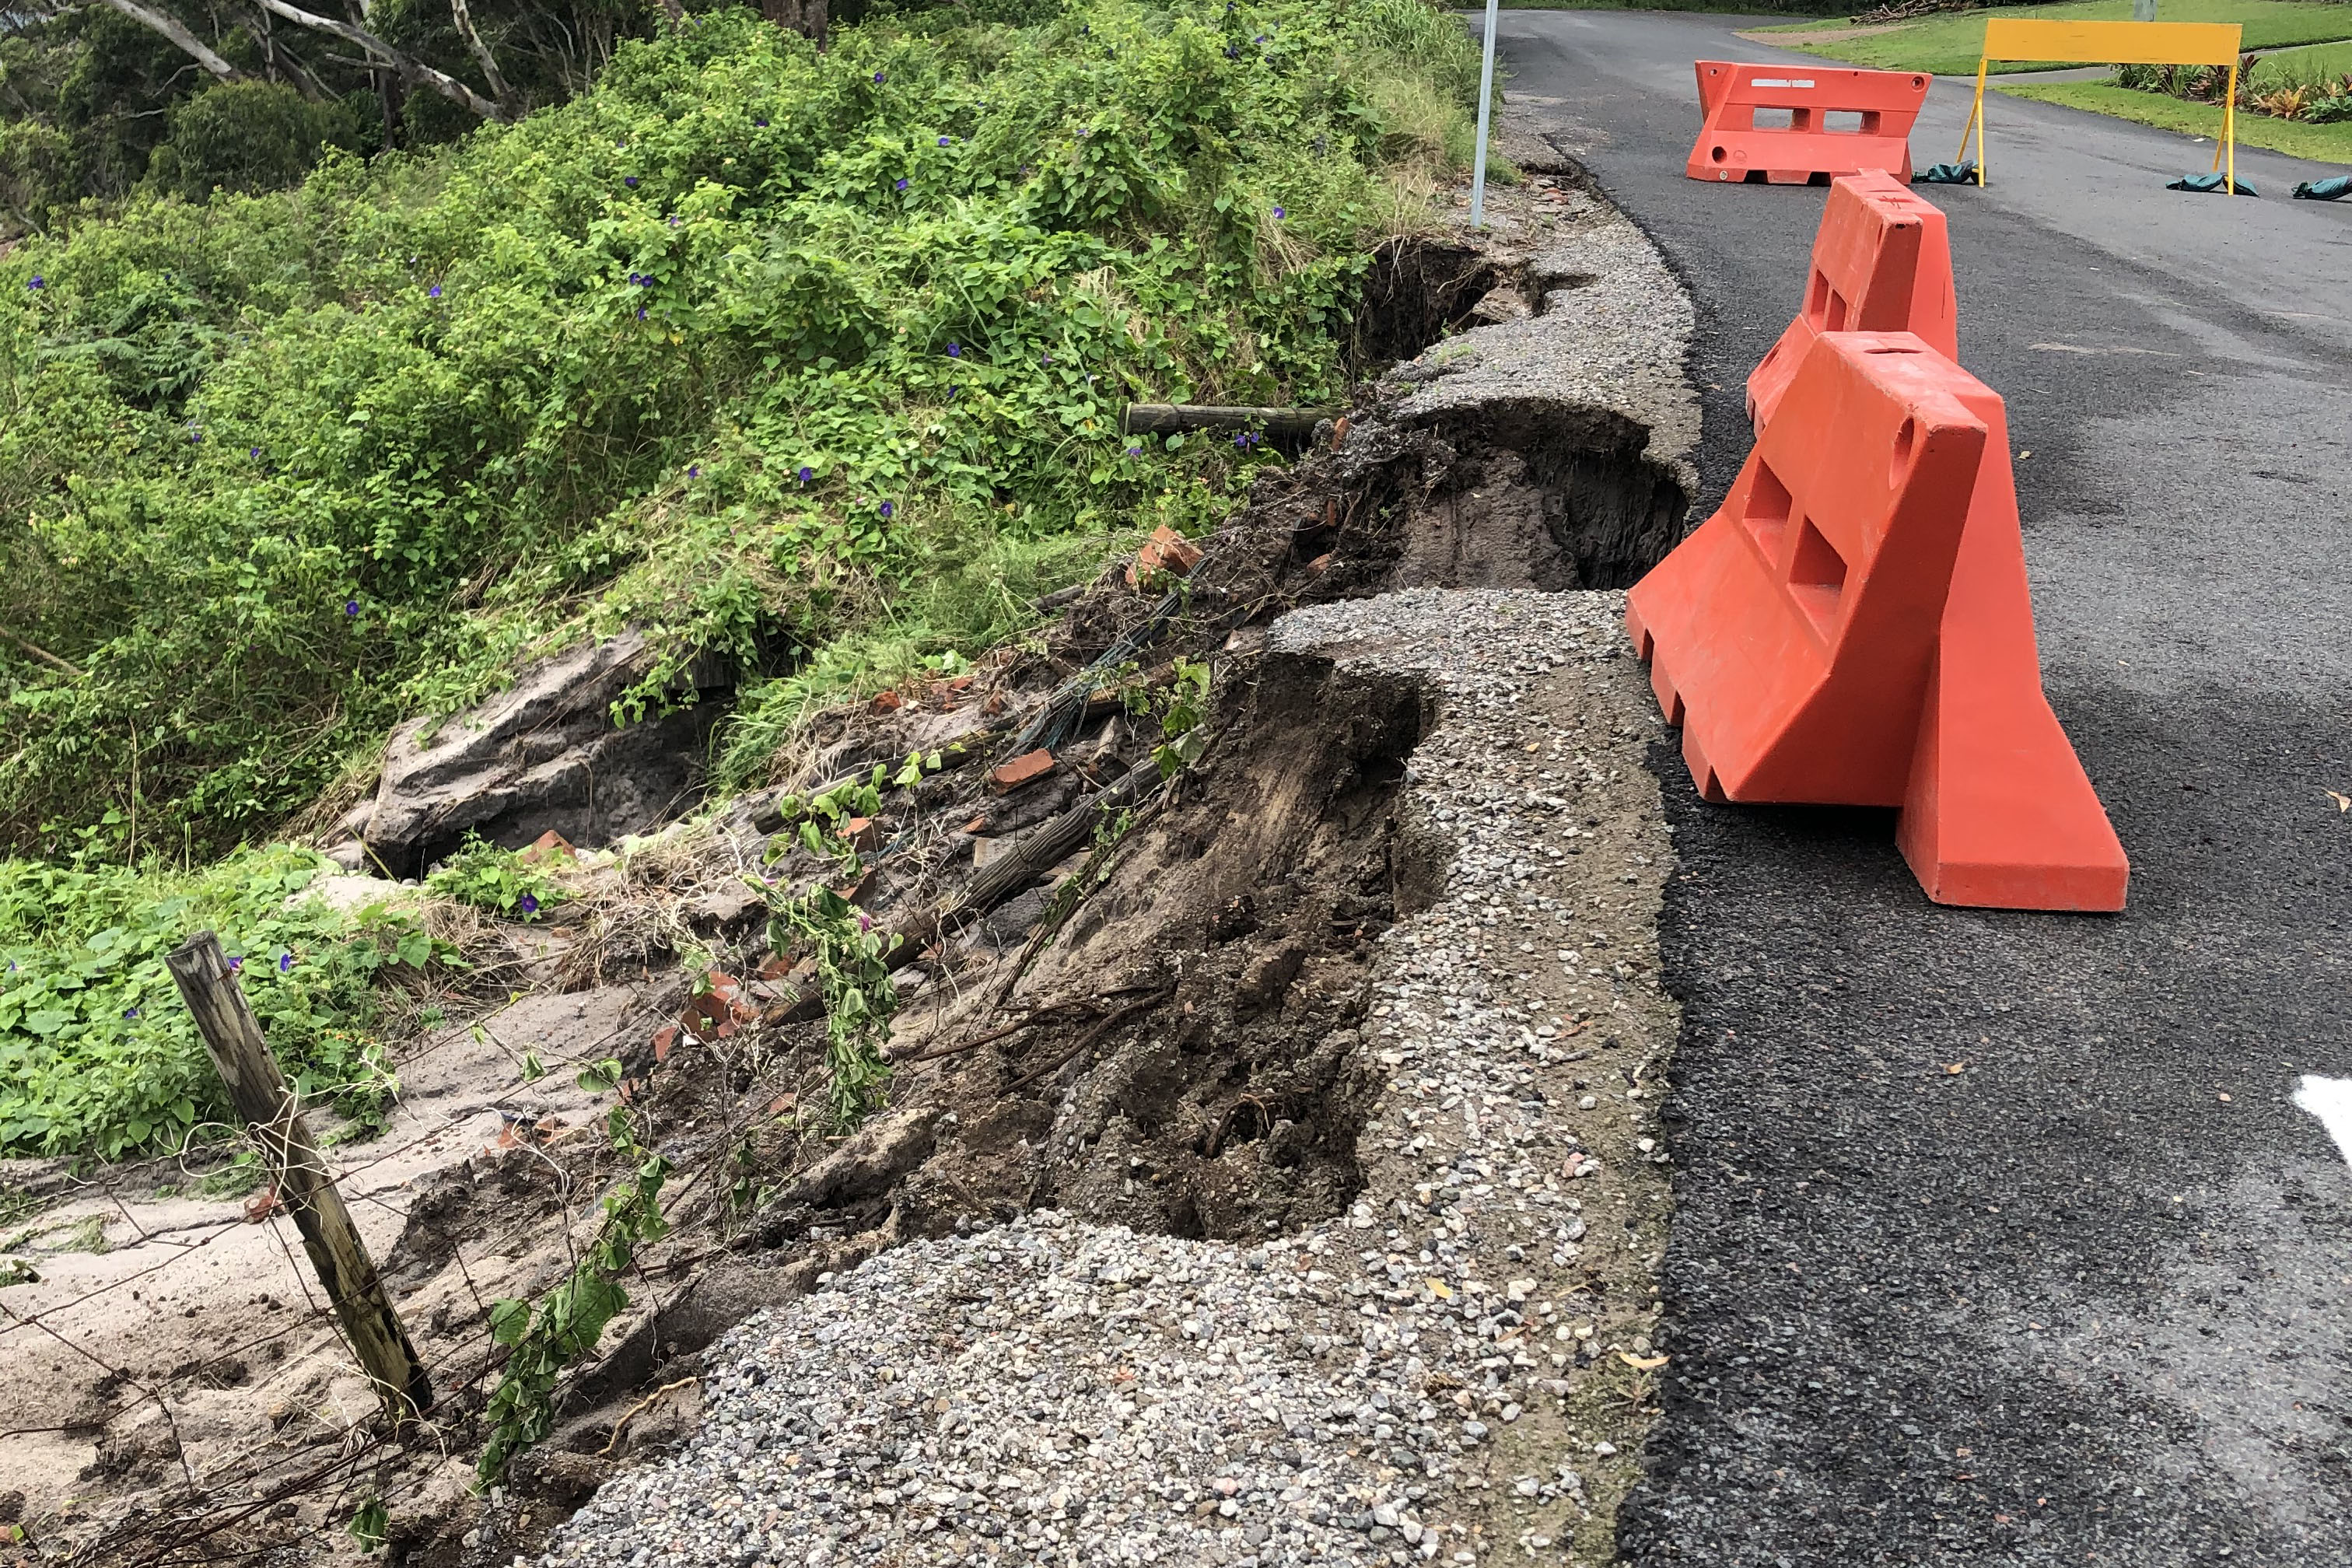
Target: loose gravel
[1457, 1369]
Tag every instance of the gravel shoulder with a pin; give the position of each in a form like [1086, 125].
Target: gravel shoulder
[1459, 1366]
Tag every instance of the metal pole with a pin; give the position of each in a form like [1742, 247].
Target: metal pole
[1486, 102]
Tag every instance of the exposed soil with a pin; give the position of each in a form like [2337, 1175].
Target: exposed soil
[1167, 1034]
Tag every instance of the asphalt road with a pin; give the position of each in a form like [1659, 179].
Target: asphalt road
[2088, 1298]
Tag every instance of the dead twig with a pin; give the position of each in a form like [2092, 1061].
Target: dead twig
[1092, 1037]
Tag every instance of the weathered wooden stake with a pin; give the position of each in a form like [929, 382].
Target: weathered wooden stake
[1288, 426]
[273, 1113]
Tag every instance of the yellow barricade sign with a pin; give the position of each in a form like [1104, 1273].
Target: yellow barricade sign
[2113, 43]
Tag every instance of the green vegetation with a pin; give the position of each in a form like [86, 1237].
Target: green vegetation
[97, 1054]
[773, 352]
[1949, 44]
[570, 1318]
[1736, 7]
[810, 362]
[2324, 143]
[508, 882]
[2312, 65]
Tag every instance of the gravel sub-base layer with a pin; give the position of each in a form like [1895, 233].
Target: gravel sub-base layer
[1457, 1369]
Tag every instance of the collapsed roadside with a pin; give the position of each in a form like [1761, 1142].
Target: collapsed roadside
[1334, 1090]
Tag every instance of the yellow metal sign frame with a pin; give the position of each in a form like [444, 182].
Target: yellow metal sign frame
[2113, 43]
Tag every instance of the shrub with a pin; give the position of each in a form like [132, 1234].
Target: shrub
[244, 136]
[97, 1053]
[36, 176]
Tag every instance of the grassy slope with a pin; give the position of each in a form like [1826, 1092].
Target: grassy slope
[771, 352]
[1948, 45]
[2322, 144]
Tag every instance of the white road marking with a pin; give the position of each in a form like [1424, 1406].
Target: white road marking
[2330, 1099]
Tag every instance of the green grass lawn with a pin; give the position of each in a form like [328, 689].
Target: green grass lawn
[1813, 11]
[2322, 144]
[1948, 45]
[2318, 63]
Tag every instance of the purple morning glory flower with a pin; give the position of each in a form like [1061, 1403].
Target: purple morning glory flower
[1233, 51]
[807, 474]
[1049, 359]
[694, 470]
[434, 292]
[879, 79]
[286, 963]
[630, 180]
[1135, 451]
[528, 905]
[1259, 39]
[350, 607]
[865, 920]
[945, 139]
[641, 312]
[955, 350]
[887, 510]
[673, 221]
[1277, 213]
[39, 282]
[130, 1012]
[257, 453]
[1086, 130]
[233, 965]
[902, 182]
[760, 124]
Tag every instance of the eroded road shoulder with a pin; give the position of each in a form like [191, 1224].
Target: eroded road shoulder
[1460, 1365]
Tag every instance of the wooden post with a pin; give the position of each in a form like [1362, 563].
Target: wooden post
[272, 1113]
[1286, 427]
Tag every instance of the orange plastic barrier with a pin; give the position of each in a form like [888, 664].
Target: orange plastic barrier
[1882, 263]
[1852, 628]
[1839, 122]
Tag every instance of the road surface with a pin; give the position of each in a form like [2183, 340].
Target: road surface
[2087, 1299]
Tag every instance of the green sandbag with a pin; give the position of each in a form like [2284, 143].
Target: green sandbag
[2209, 183]
[2334, 190]
[1947, 174]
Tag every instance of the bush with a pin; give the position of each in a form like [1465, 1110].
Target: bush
[750, 345]
[98, 1056]
[36, 176]
[244, 136]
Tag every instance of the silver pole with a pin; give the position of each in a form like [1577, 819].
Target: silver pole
[1485, 102]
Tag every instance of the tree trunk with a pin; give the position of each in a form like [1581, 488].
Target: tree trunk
[463, 18]
[807, 18]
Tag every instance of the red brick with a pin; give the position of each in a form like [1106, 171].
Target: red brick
[549, 846]
[1165, 551]
[1022, 770]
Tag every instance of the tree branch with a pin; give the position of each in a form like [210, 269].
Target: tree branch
[416, 73]
[489, 62]
[44, 654]
[187, 43]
